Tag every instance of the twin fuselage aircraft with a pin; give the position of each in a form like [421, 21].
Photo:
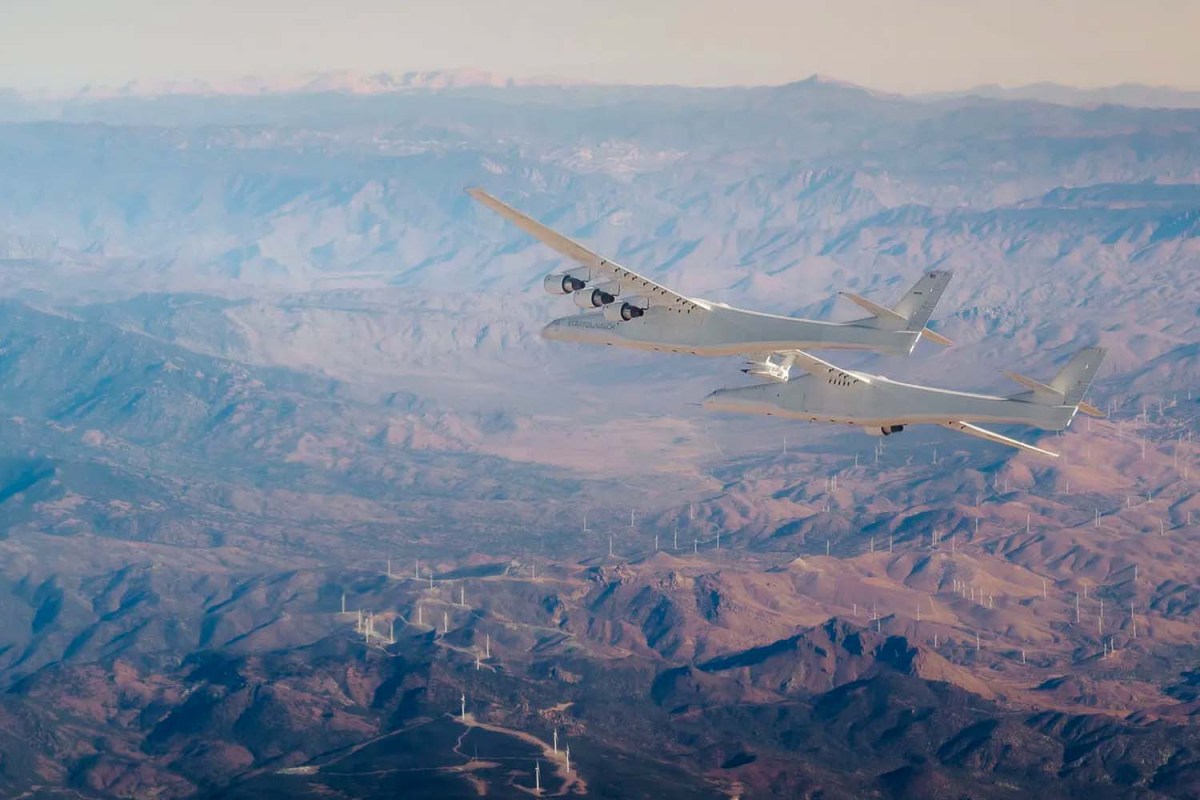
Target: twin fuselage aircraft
[624, 309]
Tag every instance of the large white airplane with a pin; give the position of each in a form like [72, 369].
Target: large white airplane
[883, 407]
[625, 309]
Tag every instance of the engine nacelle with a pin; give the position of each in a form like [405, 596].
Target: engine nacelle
[623, 312]
[886, 430]
[592, 298]
[562, 283]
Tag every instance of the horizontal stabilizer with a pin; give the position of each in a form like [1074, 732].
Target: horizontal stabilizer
[1031, 384]
[935, 337]
[992, 436]
[1092, 411]
[885, 313]
[872, 308]
[1069, 385]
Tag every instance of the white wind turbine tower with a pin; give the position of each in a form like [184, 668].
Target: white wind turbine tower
[445, 623]
[568, 754]
[487, 653]
[463, 707]
[537, 778]
[556, 741]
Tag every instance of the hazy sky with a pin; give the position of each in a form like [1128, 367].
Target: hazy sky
[898, 45]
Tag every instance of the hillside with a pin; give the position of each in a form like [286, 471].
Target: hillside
[261, 353]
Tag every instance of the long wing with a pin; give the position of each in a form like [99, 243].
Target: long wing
[991, 436]
[630, 281]
[816, 366]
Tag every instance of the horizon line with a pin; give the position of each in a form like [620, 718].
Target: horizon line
[309, 82]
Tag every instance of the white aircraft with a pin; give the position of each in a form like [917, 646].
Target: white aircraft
[883, 407]
[628, 310]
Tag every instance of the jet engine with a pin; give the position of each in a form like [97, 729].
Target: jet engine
[886, 430]
[623, 312]
[592, 298]
[562, 283]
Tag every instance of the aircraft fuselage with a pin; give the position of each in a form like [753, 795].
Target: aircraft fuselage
[838, 398]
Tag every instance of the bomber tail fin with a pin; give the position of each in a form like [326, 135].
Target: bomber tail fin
[913, 311]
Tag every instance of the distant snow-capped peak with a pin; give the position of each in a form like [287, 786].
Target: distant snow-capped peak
[343, 81]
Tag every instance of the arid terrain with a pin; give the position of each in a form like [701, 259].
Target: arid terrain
[295, 501]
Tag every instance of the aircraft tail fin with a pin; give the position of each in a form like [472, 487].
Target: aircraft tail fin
[918, 302]
[914, 309]
[1070, 384]
[1073, 380]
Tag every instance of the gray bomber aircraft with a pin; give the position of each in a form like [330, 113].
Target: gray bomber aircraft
[625, 309]
[882, 407]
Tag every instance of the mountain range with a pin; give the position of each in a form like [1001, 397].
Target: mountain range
[262, 355]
